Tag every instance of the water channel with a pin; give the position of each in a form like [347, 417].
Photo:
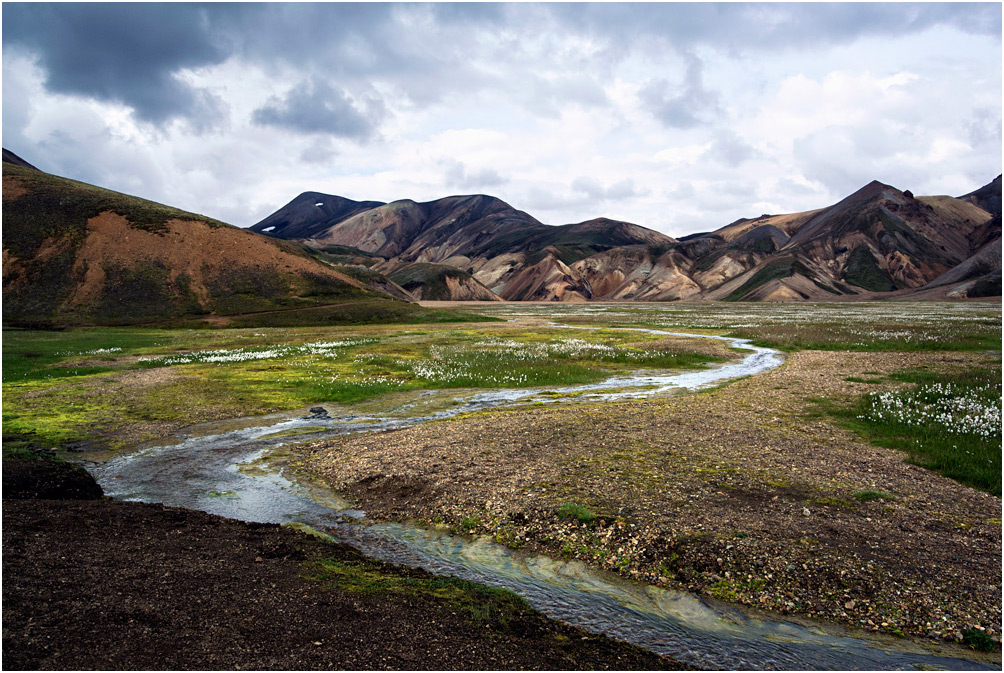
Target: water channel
[235, 469]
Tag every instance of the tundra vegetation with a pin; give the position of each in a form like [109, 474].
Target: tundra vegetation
[104, 385]
[642, 488]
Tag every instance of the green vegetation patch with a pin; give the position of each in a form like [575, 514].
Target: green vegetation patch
[30, 355]
[782, 268]
[580, 513]
[948, 423]
[863, 270]
[363, 312]
[56, 206]
[485, 607]
[430, 278]
[979, 640]
[975, 335]
[869, 495]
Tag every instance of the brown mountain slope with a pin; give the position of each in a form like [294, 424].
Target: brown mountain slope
[876, 242]
[78, 254]
[504, 249]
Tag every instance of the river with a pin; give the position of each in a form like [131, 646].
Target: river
[236, 469]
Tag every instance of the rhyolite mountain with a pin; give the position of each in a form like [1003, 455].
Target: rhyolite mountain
[879, 242]
[76, 254]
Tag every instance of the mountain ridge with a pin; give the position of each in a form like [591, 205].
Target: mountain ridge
[876, 242]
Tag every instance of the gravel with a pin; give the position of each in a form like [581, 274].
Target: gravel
[737, 493]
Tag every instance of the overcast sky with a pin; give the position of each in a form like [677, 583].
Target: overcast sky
[679, 117]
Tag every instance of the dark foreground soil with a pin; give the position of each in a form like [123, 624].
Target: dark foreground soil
[98, 584]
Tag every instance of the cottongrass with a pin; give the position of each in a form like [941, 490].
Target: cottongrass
[324, 349]
[956, 409]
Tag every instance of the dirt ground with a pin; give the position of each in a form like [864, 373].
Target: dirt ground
[735, 493]
[89, 583]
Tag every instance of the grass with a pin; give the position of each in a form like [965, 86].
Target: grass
[486, 607]
[947, 422]
[976, 335]
[362, 312]
[870, 495]
[580, 513]
[32, 354]
[90, 384]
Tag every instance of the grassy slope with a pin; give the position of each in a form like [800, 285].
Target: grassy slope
[54, 212]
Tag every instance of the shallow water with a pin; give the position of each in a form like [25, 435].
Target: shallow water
[235, 470]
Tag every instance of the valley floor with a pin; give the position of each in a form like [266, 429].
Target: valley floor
[735, 493]
[97, 584]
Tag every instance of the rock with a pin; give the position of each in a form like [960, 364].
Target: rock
[806, 512]
[318, 412]
[850, 605]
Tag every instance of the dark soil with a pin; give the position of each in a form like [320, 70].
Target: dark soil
[98, 584]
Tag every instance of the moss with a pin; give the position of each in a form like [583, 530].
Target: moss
[429, 278]
[979, 640]
[485, 607]
[834, 502]
[141, 291]
[724, 591]
[580, 513]
[781, 268]
[869, 495]
[863, 270]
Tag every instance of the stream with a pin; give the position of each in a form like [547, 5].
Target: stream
[235, 469]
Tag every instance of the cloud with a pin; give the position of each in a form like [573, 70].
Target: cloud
[730, 149]
[458, 174]
[752, 27]
[127, 53]
[314, 106]
[686, 106]
[984, 127]
[656, 110]
[622, 189]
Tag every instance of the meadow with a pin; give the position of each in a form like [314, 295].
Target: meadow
[113, 387]
[88, 385]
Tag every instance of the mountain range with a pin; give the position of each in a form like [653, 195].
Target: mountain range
[878, 242]
[75, 253]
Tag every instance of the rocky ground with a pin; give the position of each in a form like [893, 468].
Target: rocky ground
[89, 583]
[737, 493]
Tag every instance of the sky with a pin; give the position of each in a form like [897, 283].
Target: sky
[679, 117]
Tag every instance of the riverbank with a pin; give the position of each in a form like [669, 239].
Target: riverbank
[738, 493]
[91, 583]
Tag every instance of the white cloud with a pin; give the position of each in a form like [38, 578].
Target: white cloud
[651, 114]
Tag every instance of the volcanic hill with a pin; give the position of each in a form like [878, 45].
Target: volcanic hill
[76, 254]
[877, 243]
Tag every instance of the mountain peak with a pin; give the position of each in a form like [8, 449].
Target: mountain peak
[11, 158]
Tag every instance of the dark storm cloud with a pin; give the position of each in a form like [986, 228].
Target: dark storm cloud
[133, 53]
[314, 106]
[119, 52]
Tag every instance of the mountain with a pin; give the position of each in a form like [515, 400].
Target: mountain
[878, 242]
[11, 158]
[503, 249]
[74, 253]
